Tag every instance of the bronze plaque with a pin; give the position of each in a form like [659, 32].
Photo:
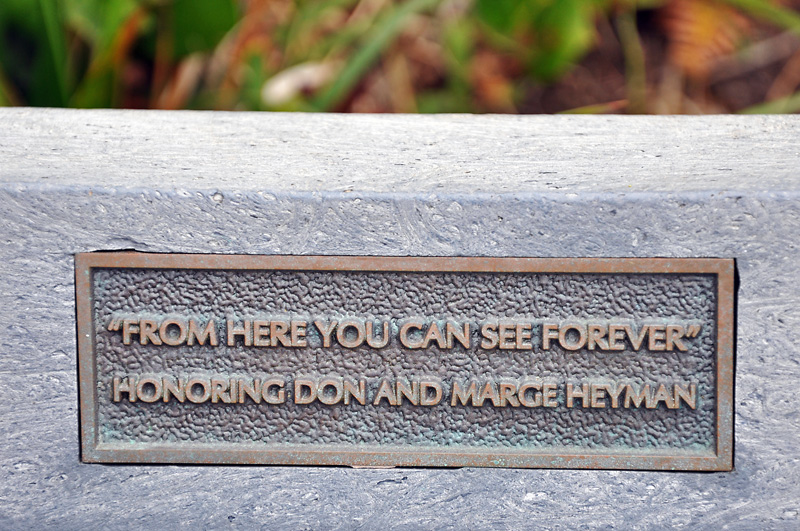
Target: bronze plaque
[613, 363]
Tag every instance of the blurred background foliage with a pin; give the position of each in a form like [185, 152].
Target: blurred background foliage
[507, 56]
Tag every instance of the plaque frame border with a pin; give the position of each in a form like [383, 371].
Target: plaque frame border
[92, 451]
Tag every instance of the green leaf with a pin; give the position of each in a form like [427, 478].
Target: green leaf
[443, 102]
[459, 39]
[635, 65]
[300, 38]
[789, 104]
[100, 23]
[565, 32]
[199, 25]
[33, 50]
[501, 15]
[95, 91]
[21, 14]
[7, 94]
[54, 29]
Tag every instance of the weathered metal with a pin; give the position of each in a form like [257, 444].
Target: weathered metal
[217, 328]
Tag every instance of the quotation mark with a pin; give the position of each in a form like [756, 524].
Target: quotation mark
[693, 330]
[115, 324]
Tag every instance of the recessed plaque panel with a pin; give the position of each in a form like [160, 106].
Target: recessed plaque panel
[379, 361]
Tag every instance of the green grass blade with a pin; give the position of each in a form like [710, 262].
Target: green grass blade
[8, 96]
[789, 104]
[769, 12]
[635, 73]
[382, 34]
[56, 41]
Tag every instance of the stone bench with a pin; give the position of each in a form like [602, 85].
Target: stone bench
[298, 184]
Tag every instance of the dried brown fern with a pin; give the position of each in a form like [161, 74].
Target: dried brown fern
[700, 32]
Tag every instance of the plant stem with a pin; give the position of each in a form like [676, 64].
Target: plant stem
[635, 74]
[55, 38]
[8, 97]
[789, 104]
[374, 43]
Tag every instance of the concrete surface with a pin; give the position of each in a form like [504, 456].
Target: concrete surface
[73, 181]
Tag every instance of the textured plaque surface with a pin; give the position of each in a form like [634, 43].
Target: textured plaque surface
[568, 363]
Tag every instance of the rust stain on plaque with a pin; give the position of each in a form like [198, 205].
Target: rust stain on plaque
[612, 363]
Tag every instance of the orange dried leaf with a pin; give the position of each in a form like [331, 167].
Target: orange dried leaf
[700, 32]
[492, 81]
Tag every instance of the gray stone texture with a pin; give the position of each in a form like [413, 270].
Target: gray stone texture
[74, 181]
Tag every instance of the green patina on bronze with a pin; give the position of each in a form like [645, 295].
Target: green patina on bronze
[613, 363]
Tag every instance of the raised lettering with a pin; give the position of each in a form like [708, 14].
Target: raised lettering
[209, 333]
[562, 337]
[598, 394]
[375, 342]
[430, 393]
[219, 391]
[298, 333]
[459, 334]
[126, 385]
[462, 395]
[305, 391]
[489, 333]
[358, 393]
[535, 389]
[273, 392]
[252, 389]
[549, 332]
[506, 335]
[178, 391]
[173, 339]
[148, 396]
[147, 334]
[657, 338]
[191, 387]
[674, 336]
[597, 335]
[348, 339]
[325, 329]
[434, 333]
[279, 333]
[405, 333]
[523, 336]
[636, 398]
[508, 393]
[573, 393]
[385, 391]
[410, 393]
[244, 331]
[261, 334]
[689, 396]
[129, 327]
[327, 385]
